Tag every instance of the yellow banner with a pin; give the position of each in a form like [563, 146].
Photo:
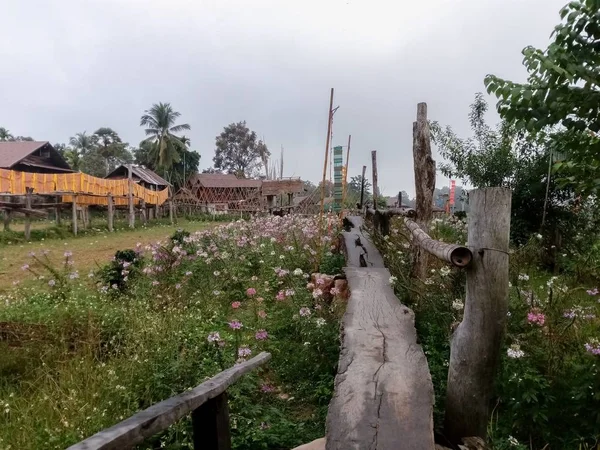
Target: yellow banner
[90, 190]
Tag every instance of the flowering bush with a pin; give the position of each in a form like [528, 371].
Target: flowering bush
[113, 343]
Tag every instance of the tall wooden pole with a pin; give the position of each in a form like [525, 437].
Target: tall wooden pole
[476, 343]
[130, 197]
[374, 165]
[74, 215]
[110, 212]
[329, 120]
[57, 211]
[345, 182]
[27, 215]
[424, 167]
[362, 187]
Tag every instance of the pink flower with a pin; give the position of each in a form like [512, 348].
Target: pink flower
[305, 312]
[260, 299]
[236, 305]
[262, 314]
[280, 296]
[592, 291]
[267, 388]
[536, 318]
[178, 286]
[261, 335]
[235, 325]
[155, 283]
[25, 267]
[334, 291]
[310, 286]
[214, 337]
[244, 351]
[250, 292]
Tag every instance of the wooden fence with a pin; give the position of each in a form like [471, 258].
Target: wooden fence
[207, 403]
[476, 342]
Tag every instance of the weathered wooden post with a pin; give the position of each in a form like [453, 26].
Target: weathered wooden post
[210, 424]
[476, 343]
[171, 215]
[143, 212]
[28, 192]
[110, 212]
[130, 197]
[362, 188]
[74, 215]
[374, 164]
[57, 211]
[7, 218]
[424, 167]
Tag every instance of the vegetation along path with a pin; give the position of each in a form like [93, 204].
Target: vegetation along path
[89, 250]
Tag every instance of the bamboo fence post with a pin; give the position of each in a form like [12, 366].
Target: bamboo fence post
[476, 343]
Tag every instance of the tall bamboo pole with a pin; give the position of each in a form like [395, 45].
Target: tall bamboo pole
[346, 171]
[329, 119]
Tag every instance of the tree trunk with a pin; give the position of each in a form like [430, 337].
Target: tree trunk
[424, 167]
[475, 346]
[374, 164]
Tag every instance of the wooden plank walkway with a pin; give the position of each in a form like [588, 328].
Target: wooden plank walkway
[383, 396]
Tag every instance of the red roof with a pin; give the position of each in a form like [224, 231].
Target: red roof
[14, 152]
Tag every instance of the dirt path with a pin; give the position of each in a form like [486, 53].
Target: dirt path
[87, 250]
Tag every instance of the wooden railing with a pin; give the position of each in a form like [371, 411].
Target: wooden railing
[476, 342]
[207, 404]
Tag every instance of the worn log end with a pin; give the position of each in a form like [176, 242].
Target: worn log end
[461, 256]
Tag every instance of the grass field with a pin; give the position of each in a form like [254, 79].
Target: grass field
[88, 251]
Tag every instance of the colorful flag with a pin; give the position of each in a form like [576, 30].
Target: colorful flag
[452, 190]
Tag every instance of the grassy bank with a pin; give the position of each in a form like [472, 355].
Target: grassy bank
[83, 353]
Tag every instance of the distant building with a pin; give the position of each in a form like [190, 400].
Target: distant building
[140, 175]
[32, 156]
[220, 192]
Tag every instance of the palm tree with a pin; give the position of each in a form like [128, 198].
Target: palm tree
[83, 143]
[73, 158]
[110, 145]
[160, 123]
[5, 135]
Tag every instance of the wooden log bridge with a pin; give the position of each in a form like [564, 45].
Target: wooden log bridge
[207, 403]
[383, 397]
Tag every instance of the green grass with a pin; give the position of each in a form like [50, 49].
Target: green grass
[75, 359]
[91, 249]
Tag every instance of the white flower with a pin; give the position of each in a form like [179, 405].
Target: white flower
[512, 441]
[458, 304]
[445, 271]
[320, 322]
[515, 352]
[393, 279]
[298, 272]
[538, 236]
[523, 277]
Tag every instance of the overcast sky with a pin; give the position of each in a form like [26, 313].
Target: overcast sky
[72, 65]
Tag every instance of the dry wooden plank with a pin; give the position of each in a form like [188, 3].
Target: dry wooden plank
[160, 416]
[360, 252]
[454, 254]
[383, 396]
